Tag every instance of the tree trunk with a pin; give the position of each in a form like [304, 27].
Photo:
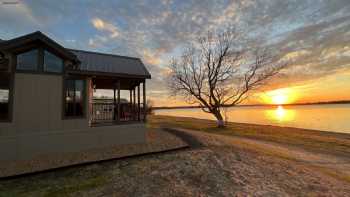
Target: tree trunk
[220, 120]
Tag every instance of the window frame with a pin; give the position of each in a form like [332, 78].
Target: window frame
[37, 60]
[54, 54]
[10, 96]
[41, 56]
[84, 98]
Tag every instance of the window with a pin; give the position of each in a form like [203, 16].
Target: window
[28, 60]
[52, 63]
[4, 97]
[74, 97]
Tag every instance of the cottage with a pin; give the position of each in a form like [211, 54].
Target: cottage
[47, 100]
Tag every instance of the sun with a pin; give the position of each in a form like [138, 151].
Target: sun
[280, 96]
[279, 99]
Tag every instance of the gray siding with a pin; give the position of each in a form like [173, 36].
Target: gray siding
[37, 106]
[37, 127]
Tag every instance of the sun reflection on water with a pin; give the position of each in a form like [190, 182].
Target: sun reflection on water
[280, 114]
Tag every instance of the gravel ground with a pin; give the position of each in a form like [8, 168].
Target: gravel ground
[216, 168]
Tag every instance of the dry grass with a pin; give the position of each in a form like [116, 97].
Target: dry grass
[311, 140]
[322, 142]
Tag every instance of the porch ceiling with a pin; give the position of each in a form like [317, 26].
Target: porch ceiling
[109, 83]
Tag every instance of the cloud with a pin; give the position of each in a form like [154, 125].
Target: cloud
[313, 35]
[105, 26]
[295, 55]
[98, 41]
[303, 32]
[17, 19]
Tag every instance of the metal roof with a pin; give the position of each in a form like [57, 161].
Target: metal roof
[90, 62]
[108, 63]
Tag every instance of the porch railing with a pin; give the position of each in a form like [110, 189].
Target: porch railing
[108, 112]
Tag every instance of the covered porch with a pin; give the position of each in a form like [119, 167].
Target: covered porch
[116, 87]
[116, 100]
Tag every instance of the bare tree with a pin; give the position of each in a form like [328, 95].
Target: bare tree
[218, 70]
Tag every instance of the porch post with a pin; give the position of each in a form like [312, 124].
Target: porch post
[138, 103]
[130, 103]
[130, 96]
[134, 105]
[114, 102]
[144, 100]
[118, 86]
[90, 101]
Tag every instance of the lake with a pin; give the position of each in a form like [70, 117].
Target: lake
[329, 117]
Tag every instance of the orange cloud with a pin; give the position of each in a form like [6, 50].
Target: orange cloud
[105, 26]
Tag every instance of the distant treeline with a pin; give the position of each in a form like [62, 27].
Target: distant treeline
[313, 103]
[176, 107]
[322, 103]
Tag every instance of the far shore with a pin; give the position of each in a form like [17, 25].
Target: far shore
[258, 105]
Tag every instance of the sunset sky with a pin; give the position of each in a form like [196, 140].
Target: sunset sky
[313, 35]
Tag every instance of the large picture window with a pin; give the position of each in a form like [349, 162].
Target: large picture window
[52, 63]
[74, 97]
[28, 60]
[4, 97]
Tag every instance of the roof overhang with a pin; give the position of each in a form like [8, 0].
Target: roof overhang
[33, 39]
[107, 74]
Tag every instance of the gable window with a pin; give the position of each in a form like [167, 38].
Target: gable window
[52, 63]
[4, 97]
[28, 60]
[74, 97]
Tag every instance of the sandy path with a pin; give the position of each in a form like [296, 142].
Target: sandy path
[329, 163]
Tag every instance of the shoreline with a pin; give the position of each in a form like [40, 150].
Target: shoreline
[258, 105]
[291, 127]
[344, 133]
[312, 140]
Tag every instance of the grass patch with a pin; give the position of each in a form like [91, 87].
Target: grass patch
[49, 186]
[81, 185]
[317, 141]
[332, 173]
